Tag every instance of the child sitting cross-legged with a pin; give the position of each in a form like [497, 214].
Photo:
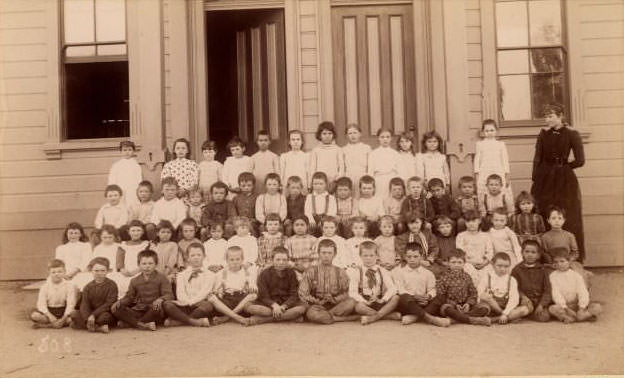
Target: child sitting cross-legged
[457, 294]
[533, 282]
[278, 298]
[56, 300]
[372, 287]
[194, 286]
[499, 291]
[325, 288]
[417, 290]
[235, 288]
[569, 291]
[141, 307]
[96, 300]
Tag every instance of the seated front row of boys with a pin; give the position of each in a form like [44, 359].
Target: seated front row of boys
[323, 294]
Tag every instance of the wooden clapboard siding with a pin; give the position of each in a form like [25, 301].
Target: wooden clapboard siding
[308, 56]
[474, 61]
[38, 197]
[598, 31]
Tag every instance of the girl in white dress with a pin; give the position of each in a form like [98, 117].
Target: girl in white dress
[76, 253]
[295, 162]
[126, 173]
[491, 158]
[355, 156]
[383, 163]
[326, 157]
[431, 161]
[407, 159]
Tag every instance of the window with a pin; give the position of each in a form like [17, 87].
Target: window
[95, 95]
[531, 58]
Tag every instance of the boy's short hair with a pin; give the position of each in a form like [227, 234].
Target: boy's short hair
[488, 121]
[146, 184]
[213, 224]
[560, 252]
[127, 143]
[413, 217]
[111, 230]
[233, 249]
[501, 256]
[329, 219]
[146, 254]
[263, 133]
[471, 215]
[209, 145]
[327, 243]
[188, 222]
[534, 243]
[465, 180]
[236, 142]
[273, 176]
[319, 176]
[303, 218]
[435, 183]
[136, 223]
[219, 185]
[366, 179]
[241, 221]
[112, 188]
[397, 181]
[169, 180]
[293, 180]
[358, 219]
[272, 217]
[457, 253]
[280, 250]
[442, 219]
[196, 245]
[386, 219]
[344, 182]
[326, 125]
[413, 246]
[56, 263]
[493, 177]
[414, 179]
[500, 211]
[369, 245]
[98, 261]
[246, 177]
[553, 208]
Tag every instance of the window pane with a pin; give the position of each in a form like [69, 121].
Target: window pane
[110, 17]
[547, 89]
[515, 97]
[78, 21]
[512, 24]
[545, 16]
[74, 51]
[111, 50]
[97, 100]
[513, 62]
[546, 60]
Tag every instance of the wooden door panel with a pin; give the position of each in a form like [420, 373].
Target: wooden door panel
[374, 85]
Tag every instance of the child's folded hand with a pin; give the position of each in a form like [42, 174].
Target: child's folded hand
[157, 304]
[503, 319]
[115, 306]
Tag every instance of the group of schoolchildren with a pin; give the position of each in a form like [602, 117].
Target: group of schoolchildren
[353, 233]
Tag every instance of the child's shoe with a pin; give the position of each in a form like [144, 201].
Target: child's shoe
[480, 320]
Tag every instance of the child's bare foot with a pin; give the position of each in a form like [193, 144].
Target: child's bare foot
[151, 326]
[481, 320]
[174, 323]
[41, 325]
[368, 319]
[121, 324]
[90, 327]
[393, 316]
[204, 322]
[299, 320]
[103, 328]
[409, 319]
[437, 321]
[252, 321]
[220, 320]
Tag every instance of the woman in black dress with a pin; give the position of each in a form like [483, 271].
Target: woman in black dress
[554, 181]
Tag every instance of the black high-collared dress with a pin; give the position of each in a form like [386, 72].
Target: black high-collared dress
[554, 180]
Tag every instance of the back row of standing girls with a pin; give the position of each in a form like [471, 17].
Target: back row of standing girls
[353, 160]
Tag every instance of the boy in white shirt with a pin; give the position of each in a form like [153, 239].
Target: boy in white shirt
[235, 165]
[169, 206]
[126, 172]
[370, 205]
[243, 239]
[372, 288]
[56, 300]
[113, 212]
[193, 288]
[569, 291]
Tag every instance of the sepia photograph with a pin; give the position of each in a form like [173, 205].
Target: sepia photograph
[311, 188]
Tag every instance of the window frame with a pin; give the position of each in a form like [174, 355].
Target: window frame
[564, 46]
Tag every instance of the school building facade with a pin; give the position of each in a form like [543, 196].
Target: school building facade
[78, 76]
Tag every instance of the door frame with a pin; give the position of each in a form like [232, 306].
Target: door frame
[199, 129]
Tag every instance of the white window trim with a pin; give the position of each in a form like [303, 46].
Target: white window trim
[143, 23]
